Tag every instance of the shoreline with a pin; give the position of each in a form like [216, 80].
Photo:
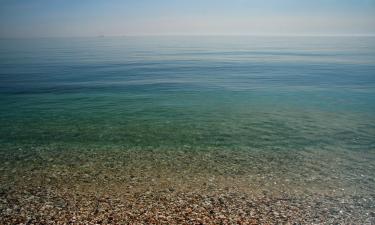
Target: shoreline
[173, 207]
[181, 187]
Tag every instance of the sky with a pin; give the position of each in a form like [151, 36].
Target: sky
[70, 18]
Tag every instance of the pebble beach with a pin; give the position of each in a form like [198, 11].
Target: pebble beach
[135, 187]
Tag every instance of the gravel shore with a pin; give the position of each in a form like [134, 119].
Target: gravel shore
[41, 186]
[170, 207]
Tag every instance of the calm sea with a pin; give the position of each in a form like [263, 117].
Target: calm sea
[166, 92]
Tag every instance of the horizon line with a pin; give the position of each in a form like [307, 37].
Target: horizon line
[192, 35]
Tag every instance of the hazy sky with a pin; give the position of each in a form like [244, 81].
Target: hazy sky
[33, 18]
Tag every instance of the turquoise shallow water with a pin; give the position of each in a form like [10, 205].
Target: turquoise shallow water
[232, 92]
